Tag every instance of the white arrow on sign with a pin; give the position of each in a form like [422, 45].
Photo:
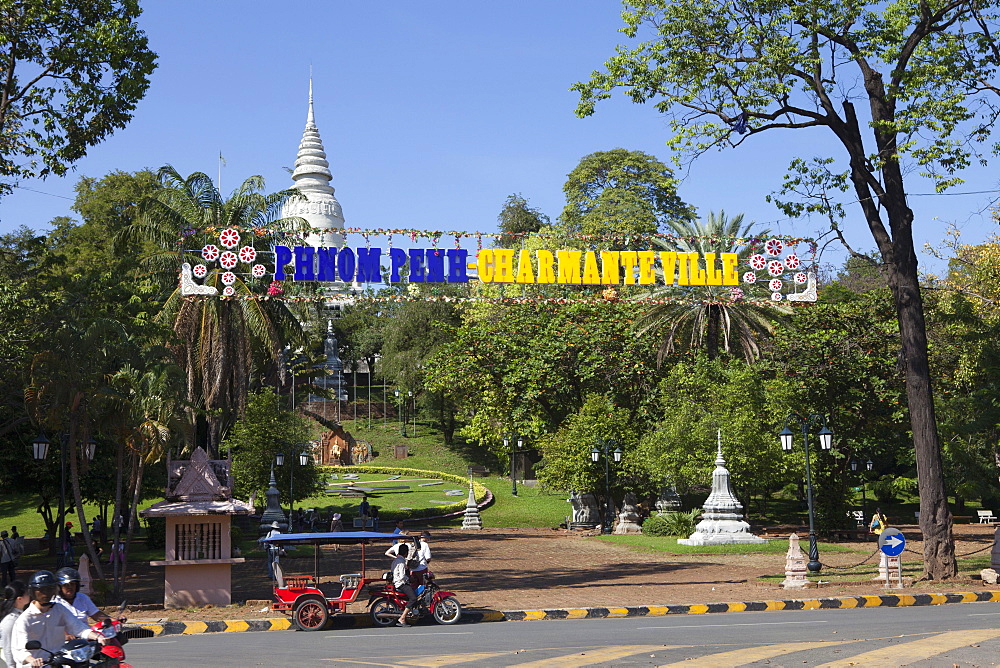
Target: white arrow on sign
[893, 541]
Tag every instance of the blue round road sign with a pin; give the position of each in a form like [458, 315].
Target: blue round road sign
[892, 542]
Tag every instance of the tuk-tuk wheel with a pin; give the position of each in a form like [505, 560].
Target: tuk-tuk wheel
[311, 615]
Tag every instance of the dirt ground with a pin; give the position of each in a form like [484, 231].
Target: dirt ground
[519, 569]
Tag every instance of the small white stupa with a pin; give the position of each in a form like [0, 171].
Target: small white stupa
[722, 521]
[312, 178]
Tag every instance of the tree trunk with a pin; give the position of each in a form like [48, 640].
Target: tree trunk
[114, 525]
[712, 342]
[140, 465]
[78, 497]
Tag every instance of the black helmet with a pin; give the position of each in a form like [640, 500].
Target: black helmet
[67, 575]
[42, 579]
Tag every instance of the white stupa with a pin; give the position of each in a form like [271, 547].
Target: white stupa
[312, 178]
[722, 520]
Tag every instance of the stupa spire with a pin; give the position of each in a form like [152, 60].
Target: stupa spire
[312, 179]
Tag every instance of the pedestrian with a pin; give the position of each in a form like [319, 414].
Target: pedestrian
[67, 546]
[15, 599]
[272, 549]
[97, 529]
[879, 523]
[364, 508]
[18, 541]
[398, 530]
[336, 524]
[374, 512]
[7, 560]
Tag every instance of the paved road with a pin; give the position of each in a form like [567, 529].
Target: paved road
[948, 635]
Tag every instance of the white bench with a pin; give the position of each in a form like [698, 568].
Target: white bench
[986, 516]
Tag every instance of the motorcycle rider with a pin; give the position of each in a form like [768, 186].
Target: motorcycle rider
[45, 621]
[401, 581]
[75, 600]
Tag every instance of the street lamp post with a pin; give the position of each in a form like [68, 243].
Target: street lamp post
[40, 451]
[513, 473]
[595, 456]
[413, 402]
[400, 402]
[825, 441]
[279, 459]
[864, 499]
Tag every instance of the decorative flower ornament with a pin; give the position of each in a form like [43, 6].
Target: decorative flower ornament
[228, 260]
[774, 247]
[776, 296]
[248, 254]
[758, 261]
[210, 253]
[749, 277]
[228, 278]
[775, 268]
[775, 284]
[792, 261]
[800, 277]
[228, 291]
[229, 238]
[200, 271]
[259, 270]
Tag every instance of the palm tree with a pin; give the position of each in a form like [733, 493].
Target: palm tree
[715, 319]
[221, 343]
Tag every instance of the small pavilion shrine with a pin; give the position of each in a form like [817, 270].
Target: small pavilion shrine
[198, 509]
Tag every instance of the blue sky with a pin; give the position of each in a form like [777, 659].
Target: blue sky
[431, 114]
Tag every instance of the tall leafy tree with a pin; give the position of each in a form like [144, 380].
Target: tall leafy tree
[923, 74]
[620, 193]
[716, 318]
[73, 72]
[222, 344]
[518, 218]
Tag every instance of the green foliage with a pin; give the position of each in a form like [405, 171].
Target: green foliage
[671, 524]
[73, 74]
[620, 193]
[517, 219]
[566, 461]
[265, 430]
[156, 533]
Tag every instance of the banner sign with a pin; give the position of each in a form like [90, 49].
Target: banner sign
[777, 265]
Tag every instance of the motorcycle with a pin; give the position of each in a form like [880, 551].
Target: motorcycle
[75, 653]
[111, 654]
[386, 605]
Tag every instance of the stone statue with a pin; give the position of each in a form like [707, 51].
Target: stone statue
[629, 518]
[669, 501]
[586, 514]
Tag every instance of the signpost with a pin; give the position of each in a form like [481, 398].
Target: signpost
[892, 542]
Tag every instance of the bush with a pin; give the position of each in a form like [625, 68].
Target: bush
[156, 532]
[671, 524]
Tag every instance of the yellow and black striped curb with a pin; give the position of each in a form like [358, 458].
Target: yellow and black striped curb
[472, 616]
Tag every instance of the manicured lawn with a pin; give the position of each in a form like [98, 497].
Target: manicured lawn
[669, 544]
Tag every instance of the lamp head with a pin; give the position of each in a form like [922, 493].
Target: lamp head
[303, 458]
[279, 459]
[825, 438]
[617, 454]
[595, 455]
[786, 437]
[40, 447]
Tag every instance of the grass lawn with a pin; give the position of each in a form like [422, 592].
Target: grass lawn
[669, 544]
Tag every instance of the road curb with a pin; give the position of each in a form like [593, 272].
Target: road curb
[474, 616]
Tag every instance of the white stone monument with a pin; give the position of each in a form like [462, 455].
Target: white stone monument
[722, 520]
[796, 573]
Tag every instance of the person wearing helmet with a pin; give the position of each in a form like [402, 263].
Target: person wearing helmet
[45, 621]
[75, 600]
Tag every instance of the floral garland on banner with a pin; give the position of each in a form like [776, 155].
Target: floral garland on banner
[277, 234]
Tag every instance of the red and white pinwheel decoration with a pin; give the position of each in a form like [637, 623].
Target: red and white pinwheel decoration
[259, 270]
[228, 260]
[228, 291]
[229, 238]
[792, 261]
[774, 247]
[758, 261]
[210, 253]
[800, 277]
[775, 284]
[248, 254]
[749, 277]
[228, 278]
[200, 271]
[775, 268]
